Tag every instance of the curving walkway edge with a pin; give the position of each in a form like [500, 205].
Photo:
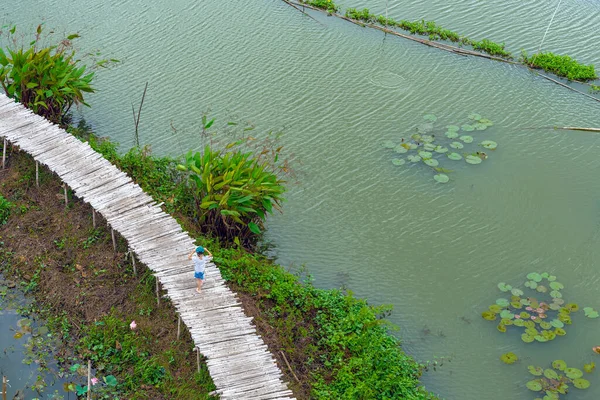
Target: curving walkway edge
[238, 360]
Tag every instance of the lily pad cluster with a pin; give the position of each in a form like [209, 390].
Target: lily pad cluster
[541, 315]
[436, 147]
[558, 380]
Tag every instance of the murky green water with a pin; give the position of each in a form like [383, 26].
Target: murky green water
[389, 233]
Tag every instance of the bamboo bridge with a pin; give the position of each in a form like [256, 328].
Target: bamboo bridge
[238, 360]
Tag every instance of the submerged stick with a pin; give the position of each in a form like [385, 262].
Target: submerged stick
[568, 87]
[574, 128]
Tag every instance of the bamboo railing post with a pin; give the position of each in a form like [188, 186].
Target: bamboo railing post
[37, 174]
[94, 218]
[66, 198]
[89, 385]
[114, 240]
[4, 154]
[157, 292]
[198, 357]
[178, 327]
[4, 387]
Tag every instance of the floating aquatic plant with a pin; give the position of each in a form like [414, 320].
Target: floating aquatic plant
[509, 358]
[556, 381]
[541, 316]
[432, 148]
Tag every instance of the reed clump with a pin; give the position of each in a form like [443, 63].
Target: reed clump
[559, 65]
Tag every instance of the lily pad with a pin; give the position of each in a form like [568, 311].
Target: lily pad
[457, 145]
[545, 325]
[527, 338]
[531, 284]
[541, 288]
[501, 328]
[557, 323]
[550, 374]
[453, 128]
[517, 292]
[486, 121]
[488, 315]
[432, 162]
[489, 144]
[430, 117]
[454, 156]
[441, 149]
[573, 373]
[441, 178]
[556, 285]
[475, 117]
[589, 367]
[551, 278]
[573, 307]
[518, 322]
[534, 276]
[559, 365]
[414, 158]
[509, 358]
[425, 154]
[388, 144]
[540, 339]
[400, 149]
[555, 294]
[504, 287]
[535, 386]
[506, 314]
[560, 332]
[495, 308]
[429, 146]
[536, 371]
[428, 138]
[554, 306]
[480, 127]
[466, 138]
[425, 128]
[451, 134]
[516, 304]
[581, 383]
[467, 128]
[471, 159]
[398, 161]
[502, 302]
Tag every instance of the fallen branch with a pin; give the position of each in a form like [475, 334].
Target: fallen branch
[573, 128]
[288, 365]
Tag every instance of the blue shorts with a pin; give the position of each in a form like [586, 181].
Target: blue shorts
[199, 275]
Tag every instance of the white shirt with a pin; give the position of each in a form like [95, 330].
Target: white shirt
[199, 263]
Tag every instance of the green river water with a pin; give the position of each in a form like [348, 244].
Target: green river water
[390, 234]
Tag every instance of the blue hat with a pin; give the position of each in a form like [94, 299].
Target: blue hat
[199, 249]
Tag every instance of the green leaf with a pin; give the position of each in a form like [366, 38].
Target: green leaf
[536, 371]
[73, 36]
[398, 161]
[581, 383]
[509, 358]
[559, 365]
[454, 156]
[535, 386]
[471, 159]
[441, 178]
[110, 380]
[466, 138]
[432, 162]
[489, 144]
[254, 228]
[573, 373]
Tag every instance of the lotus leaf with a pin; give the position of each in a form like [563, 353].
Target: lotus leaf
[540, 339]
[518, 322]
[388, 144]
[544, 275]
[527, 338]
[486, 121]
[573, 373]
[400, 149]
[590, 312]
[509, 358]
[467, 128]
[572, 307]
[525, 302]
[425, 128]
[517, 292]
[480, 127]
[541, 289]
[454, 156]
[474, 116]
[430, 117]
[471, 159]
[556, 285]
[564, 310]
[466, 138]
[535, 386]
[429, 147]
[441, 149]
[560, 332]
[536, 371]
[502, 302]
[531, 284]
[488, 315]
[451, 134]
[589, 367]
[414, 158]
[506, 321]
[425, 154]
[432, 162]
[516, 304]
[398, 161]
[501, 328]
[524, 315]
[441, 178]
[504, 287]
[428, 138]
[531, 331]
[565, 318]
[549, 335]
[559, 365]
[593, 314]
[581, 383]
[545, 325]
[529, 324]
[557, 323]
[489, 144]
[551, 278]
[555, 294]
[495, 308]
[534, 276]
[550, 374]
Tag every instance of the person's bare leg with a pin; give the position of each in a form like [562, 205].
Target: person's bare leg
[198, 285]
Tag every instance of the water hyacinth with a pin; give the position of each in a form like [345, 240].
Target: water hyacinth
[430, 145]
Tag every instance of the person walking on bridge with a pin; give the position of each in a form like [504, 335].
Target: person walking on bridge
[200, 261]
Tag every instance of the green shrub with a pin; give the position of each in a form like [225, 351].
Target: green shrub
[233, 191]
[327, 5]
[46, 80]
[563, 66]
[363, 15]
[492, 48]
[5, 207]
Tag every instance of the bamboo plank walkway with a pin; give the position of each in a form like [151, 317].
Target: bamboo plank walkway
[239, 362]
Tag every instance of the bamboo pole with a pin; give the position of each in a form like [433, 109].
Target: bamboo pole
[66, 198]
[4, 154]
[4, 379]
[89, 385]
[114, 240]
[178, 327]
[568, 87]
[133, 262]
[94, 217]
[198, 358]
[37, 174]
[574, 128]
[157, 292]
